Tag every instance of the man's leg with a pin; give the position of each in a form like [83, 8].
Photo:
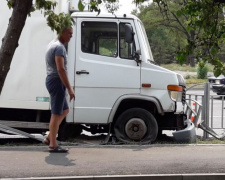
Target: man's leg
[64, 114]
[55, 121]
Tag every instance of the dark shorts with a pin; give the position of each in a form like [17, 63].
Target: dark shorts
[57, 92]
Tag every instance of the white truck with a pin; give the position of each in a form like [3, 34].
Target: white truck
[119, 90]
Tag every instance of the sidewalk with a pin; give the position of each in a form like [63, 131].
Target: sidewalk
[96, 162]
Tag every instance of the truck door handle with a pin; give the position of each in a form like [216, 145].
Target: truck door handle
[82, 72]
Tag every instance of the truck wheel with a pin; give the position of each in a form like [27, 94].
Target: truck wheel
[136, 125]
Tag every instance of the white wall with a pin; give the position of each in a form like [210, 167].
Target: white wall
[26, 78]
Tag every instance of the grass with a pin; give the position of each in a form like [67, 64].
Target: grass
[164, 139]
[184, 67]
[177, 67]
[190, 82]
[210, 141]
[190, 79]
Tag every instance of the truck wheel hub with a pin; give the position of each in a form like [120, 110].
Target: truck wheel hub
[135, 128]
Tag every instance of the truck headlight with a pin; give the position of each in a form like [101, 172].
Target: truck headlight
[217, 81]
[175, 92]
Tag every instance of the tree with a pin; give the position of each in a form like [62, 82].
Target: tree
[10, 41]
[205, 18]
[166, 37]
[111, 6]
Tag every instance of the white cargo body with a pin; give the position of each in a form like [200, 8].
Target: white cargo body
[114, 80]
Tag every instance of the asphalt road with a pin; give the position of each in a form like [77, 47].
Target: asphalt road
[35, 161]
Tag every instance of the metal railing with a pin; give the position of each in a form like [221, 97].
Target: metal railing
[204, 109]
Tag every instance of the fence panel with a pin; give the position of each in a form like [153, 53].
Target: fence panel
[212, 108]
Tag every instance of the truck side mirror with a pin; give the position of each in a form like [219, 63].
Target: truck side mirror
[129, 33]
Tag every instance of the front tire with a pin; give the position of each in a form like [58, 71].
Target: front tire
[136, 125]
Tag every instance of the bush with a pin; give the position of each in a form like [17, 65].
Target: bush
[202, 70]
[188, 76]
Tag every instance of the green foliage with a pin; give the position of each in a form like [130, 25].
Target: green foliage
[200, 22]
[166, 38]
[93, 5]
[178, 67]
[59, 22]
[111, 5]
[202, 70]
[188, 76]
[81, 6]
[10, 3]
[105, 52]
[45, 4]
[189, 73]
[107, 47]
[205, 19]
[184, 67]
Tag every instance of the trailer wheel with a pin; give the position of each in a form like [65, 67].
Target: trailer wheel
[136, 125]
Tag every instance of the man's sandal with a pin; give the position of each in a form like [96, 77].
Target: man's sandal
[46, 141]
[57, 149]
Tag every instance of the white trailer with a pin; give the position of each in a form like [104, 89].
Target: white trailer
[110, 65]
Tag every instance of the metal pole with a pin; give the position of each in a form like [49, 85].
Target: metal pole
[206, 107]
[222, 111]
[203, 108]
[211, 112]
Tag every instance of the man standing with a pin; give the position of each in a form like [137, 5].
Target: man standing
[57, 82]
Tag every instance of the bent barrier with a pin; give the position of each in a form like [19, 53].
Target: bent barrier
[205, 111]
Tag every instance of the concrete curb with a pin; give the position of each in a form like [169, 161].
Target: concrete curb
[216, 176]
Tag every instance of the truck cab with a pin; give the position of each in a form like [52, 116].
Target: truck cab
[116, 81]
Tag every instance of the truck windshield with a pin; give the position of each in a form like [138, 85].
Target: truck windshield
[147, 48]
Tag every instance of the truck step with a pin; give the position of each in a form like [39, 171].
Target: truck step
[23, 124]
[11, 130]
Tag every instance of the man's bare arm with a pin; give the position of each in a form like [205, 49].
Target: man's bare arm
[59, 60]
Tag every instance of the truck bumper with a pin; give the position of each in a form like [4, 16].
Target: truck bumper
[218, 88]
[187, 135]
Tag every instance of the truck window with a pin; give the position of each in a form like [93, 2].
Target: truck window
[107, 46]
[99, 38]
[126, 50]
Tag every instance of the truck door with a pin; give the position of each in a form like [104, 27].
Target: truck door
[105, 68]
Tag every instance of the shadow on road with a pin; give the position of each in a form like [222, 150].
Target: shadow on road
[59, 159]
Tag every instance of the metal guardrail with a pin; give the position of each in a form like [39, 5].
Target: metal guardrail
[193, 113]
[204, 103]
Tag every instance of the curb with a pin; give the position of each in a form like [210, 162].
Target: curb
[214, 176]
